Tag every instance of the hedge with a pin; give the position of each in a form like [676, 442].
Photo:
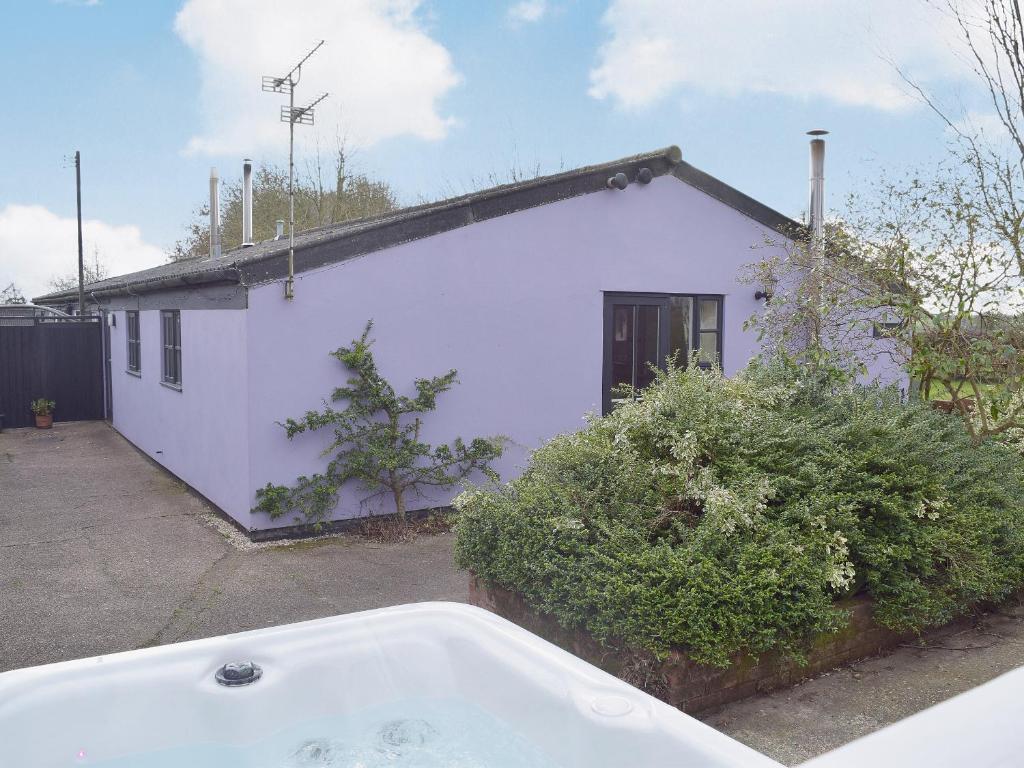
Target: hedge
[722, 515]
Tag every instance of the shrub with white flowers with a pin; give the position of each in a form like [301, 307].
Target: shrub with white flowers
[725, 515]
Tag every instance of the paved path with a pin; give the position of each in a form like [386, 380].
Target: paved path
[102, 551]
[797, 724]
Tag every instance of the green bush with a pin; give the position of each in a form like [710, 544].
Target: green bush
[725, 515]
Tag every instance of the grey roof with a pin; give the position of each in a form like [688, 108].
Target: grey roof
[337, 242]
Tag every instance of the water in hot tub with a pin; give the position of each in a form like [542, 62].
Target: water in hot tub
[425, 733]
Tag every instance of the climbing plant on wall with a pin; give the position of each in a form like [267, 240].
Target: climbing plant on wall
[377, 443]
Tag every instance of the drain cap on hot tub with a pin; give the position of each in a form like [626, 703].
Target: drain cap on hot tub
[239, 673]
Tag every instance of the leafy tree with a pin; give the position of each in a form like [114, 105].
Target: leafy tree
[377, 443]
[322, 196]
[12, 295]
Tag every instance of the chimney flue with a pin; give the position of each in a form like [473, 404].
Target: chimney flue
[246, 203]
[816, 204]
[214, 214]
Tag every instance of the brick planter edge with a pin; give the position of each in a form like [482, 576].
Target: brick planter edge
[698, 688]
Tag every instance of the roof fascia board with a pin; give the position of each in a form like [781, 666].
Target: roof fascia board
[227, 275]
[465, 211]
[208, 296]
[735, 199]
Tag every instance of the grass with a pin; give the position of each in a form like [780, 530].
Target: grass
[940, 391]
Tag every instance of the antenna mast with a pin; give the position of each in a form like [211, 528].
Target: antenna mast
[292, 115]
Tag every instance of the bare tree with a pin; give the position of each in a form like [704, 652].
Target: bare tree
[914, 273]
[94, 271]
[992, 34]
[327, 193]
[822, 319]
[954, 278]
[12, 295]
[955, 239]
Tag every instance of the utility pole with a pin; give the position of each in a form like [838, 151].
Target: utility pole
[292, 115]
[81, 260]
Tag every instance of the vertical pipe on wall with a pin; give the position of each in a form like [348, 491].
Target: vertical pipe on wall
[214, 214]
[246, 203]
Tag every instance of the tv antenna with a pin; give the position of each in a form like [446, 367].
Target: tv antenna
[292, 115]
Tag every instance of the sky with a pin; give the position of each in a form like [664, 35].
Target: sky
[438, 96]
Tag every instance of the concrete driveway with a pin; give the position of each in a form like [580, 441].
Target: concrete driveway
[103, 551]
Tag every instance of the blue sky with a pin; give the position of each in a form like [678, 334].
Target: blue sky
[435, 96]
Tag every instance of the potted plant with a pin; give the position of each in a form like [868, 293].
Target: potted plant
[43, 409]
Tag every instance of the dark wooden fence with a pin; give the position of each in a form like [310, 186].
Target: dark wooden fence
[60, 359]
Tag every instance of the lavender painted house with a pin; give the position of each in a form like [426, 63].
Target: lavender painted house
[542, 294]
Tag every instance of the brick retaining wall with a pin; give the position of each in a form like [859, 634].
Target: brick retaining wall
[693, 687]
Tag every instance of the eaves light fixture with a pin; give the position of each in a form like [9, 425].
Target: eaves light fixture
[767, 290]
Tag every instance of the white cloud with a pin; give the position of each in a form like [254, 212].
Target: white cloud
[385, 74]
[527, 11]
[37, 245]
[836, 49]
[985, 125]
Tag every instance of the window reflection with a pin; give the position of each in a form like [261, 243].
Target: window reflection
[680, 318]
[644, 330]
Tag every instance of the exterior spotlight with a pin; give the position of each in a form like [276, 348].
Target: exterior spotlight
[645, 176]
[770, 283]
[618, 181]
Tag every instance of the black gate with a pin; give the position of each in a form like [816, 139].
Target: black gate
[60, 359]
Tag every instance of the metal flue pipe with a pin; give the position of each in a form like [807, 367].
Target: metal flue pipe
[246, 203]
[816, 223]
[214, 214]
[816, 204]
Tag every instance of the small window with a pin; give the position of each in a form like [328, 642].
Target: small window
[709, 348]
[170, 325]
[646, 330]
[134, 342]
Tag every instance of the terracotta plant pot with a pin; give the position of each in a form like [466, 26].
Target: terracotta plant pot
[44, 422]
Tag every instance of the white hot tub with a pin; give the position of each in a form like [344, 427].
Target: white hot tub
[426, 685]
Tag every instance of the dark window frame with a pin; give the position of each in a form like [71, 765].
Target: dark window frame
[170, 347]
[133, 341]
[718, 330]
[611, 298]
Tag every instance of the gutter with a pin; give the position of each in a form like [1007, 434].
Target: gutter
[223, 275]
[331, 244]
